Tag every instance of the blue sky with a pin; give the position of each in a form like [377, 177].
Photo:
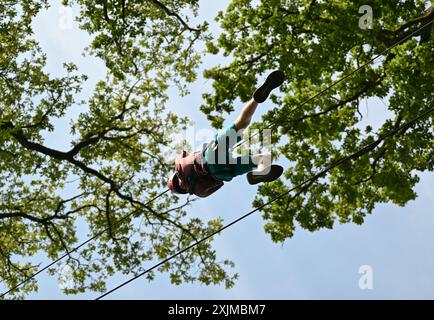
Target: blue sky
[396, 242]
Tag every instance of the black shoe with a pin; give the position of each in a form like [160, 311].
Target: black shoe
[274, 80]
[274, 173]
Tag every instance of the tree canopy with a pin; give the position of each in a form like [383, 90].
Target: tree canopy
[315, 43]
[114, 160]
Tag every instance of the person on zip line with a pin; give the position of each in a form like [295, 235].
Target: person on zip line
[204, 172]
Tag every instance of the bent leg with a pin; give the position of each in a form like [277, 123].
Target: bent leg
[244, 164]
[259, 164]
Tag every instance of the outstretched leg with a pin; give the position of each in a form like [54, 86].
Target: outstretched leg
[258, 167]
[246, 114]
[274, 80]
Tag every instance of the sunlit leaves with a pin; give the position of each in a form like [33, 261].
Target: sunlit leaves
[316, 43]
[110, 164]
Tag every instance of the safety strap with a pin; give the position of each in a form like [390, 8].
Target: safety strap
[192, 180]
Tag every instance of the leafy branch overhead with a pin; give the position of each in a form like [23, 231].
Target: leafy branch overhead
[113, 165]
[315, 43]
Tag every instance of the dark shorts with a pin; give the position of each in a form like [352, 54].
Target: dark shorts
[219, 159]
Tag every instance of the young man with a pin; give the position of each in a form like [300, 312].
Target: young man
[204, 172]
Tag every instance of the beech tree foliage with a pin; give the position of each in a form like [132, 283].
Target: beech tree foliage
[113, 166]
[113, 162]
[316, 43]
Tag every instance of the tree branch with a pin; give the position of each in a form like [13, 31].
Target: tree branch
[425, 17]
[393, 37]
[19, 214]
[368, 86]
[354, 156]
[105, 12]
[174, 14]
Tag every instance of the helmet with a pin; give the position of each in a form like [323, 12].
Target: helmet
[174, 185]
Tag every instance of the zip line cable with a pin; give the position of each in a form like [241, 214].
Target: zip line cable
[362, 151]
[79, 246]
[240, 143]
